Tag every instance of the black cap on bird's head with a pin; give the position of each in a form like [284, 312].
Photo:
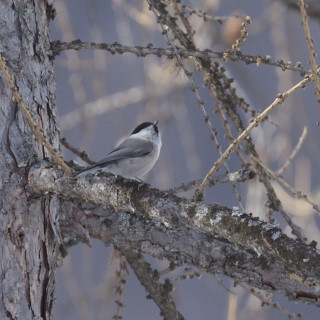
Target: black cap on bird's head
[145, 125]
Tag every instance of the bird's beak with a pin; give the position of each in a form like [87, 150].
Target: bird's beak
[155, 123]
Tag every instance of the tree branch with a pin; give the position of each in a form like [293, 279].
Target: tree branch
[212, 237]
[279, 100]
[140, 51]
[160, 293]
[237, 176]
[221, 89]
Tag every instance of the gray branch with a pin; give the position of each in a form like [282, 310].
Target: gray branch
[312, 7]
[116, 48]
[160, 293]
[237, 176]
[217, 239]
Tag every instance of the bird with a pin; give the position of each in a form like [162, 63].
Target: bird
[134, 157]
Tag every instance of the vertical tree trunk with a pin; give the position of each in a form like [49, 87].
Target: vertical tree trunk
[27, 244]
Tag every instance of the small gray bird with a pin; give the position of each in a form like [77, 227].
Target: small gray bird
[134, 157]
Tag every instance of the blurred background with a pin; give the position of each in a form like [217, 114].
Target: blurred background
[101, 98]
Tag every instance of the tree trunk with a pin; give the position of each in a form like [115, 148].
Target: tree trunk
[136, 220]
[27, 244]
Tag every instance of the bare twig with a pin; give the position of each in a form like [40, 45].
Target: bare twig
[160, 293]
[295, 151]
[58, 46]
[220, 86]
[190, 274]
[199, 66]
[206, 17]
[297, 193]
[38, 132]
[167, 270]
[279, 100]
[312, 54]
[121, 274]
[166, 23]
[238, 176]
[226, 125]
[243, 35]
[184, 20]
[222, 284]
[265, 300]
[81, 154]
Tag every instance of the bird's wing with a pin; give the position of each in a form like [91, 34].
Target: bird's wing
[130, 148]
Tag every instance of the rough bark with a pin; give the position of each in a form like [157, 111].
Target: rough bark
[211, 237]
[39, 207]
[27, 243]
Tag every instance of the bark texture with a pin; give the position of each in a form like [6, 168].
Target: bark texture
[40, 207]
[213, 238]
[27, 243]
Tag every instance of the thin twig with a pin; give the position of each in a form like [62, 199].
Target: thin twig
[122, 275]
[203, 14]
[81, 154]
[220, 85]
[243, 35]
[187, 275]
[183, 19]
[238, 176]
[167, 23]
[295, 151]
[160, 293]
[271, 304]
[166, 270]
[312, 55]
[207, 17]
[199, 66]
[226, 125]
[58, 46]
[38, 133]
[207, 76]
[297, 193]
[279, 100]
[222, 284]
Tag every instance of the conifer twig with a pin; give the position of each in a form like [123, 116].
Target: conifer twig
[312, 55]
[279, 100]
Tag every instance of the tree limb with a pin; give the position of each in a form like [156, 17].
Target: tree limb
[212, 237]
[160, 293]
[140, 51]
